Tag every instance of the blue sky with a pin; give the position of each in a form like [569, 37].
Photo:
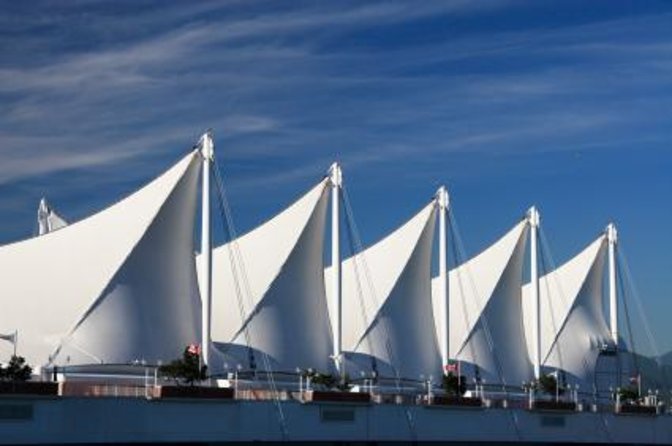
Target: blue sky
[565, 105]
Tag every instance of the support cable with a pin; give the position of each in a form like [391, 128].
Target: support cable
[628, 322]
[482, 317]
[625, 268]
[546, 251]
[236, 255]
[353, 232]
[460, 254]
[638, 302]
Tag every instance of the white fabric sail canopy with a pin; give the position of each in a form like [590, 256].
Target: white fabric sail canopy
[486, 327]
[268, 291]
[573, 327]
[115, 287]
[387, 314]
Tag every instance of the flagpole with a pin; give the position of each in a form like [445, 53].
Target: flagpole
[16, 339]
[459, 376]
[557, 387]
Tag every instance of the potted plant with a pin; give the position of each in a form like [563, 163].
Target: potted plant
[628, 401]
[332, 389]
[186, 372]
[455, 386]
[549, 385]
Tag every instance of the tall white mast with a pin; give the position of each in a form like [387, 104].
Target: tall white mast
[207, 152]
[336, 179]
[443, 202]
[612, 237]
[534, 220]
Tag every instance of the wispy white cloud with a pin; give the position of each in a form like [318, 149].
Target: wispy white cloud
[272, 84]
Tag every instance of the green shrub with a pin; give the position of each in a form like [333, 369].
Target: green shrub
[16, 370]
[454, 385]
[628, 394]
[187, 370]
[549, 384]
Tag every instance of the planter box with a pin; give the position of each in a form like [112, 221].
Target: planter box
[28, 388]
[635, 409]
[456, 401]
[195, 392]
[315, 396]
[557, 406]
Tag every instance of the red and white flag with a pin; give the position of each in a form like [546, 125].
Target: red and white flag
[194, 349]
[634, 379]
[450, 367]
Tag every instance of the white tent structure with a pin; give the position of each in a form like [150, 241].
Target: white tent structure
[387, 313]
[269, 292]
[115, 287]
[48, 219]
[573, 327]
[485, 319]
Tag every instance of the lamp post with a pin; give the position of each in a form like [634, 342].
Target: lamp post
[298, 372]
[429, 389]
[309, 380]
[156, 372]
[235, 382]
[557, 390]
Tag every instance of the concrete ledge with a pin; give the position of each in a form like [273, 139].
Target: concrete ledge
[28, 388]
[316, 396]
[553, 406]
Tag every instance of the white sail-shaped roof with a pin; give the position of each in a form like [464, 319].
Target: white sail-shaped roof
[114, 287]
[387, 314]
[274, 302]
[48, 219]
[572, 322]
[486, 327]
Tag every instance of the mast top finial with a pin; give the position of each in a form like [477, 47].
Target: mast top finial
[207, 145]
[442, 198]
[612, 233]
[336, 174]
[533, 216]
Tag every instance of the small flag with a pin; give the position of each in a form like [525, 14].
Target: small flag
[634, 379]
[194, 349]
[9, 337]
[450, 368]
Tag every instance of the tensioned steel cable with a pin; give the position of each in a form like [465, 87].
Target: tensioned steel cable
[642, 314]
[228, 218]
[354, 233]
[628, 324]
[545, 247]
[457, 238]
[482, 317]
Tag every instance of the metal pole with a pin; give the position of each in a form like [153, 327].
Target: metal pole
[557, 390]
[207, 152]
[639, 384]
[442, 201]
[533, 218]
[612, 237]
[336, 179]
